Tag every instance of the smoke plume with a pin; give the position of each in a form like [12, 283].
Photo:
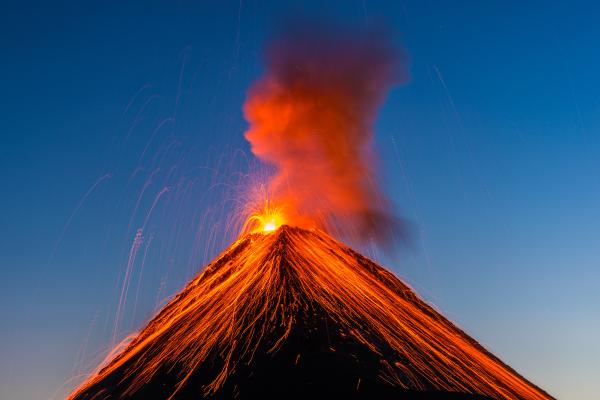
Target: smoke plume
[311, 116]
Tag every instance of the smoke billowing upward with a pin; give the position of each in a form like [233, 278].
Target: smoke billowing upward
[311, 116]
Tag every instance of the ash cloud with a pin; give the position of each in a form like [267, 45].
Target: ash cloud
[311, 116]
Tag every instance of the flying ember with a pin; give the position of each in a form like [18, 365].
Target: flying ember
[267, 219]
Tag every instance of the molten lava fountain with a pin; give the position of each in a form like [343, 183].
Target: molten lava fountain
[293, 311]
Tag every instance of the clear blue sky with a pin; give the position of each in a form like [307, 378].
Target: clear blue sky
[126, 118]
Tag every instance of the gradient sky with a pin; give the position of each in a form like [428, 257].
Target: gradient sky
[125, 119]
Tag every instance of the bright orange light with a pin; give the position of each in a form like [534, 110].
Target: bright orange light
[270, 221]
[266, 220]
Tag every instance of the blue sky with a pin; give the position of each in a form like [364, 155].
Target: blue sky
[126, 119]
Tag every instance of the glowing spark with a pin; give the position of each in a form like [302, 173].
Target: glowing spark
[267, 218]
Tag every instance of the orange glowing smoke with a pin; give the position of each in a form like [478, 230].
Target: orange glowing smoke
[266, 290]
[311, 117]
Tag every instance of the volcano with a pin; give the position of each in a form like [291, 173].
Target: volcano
[294, 313]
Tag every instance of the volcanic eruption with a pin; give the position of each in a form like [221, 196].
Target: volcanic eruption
[287, 310]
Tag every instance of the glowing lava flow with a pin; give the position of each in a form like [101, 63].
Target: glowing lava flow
[290, 285]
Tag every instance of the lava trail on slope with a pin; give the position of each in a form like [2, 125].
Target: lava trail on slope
[294, 313]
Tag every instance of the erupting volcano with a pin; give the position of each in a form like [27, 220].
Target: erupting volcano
[287, 310]
[294, 312]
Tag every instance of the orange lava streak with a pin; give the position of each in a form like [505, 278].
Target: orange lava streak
[256, 287]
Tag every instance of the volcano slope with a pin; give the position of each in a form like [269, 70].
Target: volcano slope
[295, 313]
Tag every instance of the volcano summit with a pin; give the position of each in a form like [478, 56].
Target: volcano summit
[294, 313]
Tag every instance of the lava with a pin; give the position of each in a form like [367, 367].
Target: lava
[270, 226]
[265, 219]
[271, 303]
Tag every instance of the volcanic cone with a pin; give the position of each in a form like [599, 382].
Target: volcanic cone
[294, 313]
